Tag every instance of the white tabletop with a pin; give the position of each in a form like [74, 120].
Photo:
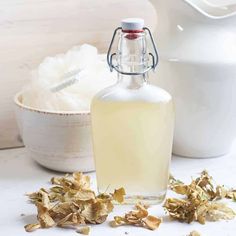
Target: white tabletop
[19, 174]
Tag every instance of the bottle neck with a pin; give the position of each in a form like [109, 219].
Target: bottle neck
[132, 81]
[132, 58]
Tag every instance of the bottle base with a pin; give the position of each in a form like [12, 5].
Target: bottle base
[149, 200]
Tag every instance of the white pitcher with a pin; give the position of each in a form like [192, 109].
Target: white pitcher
[197, 47]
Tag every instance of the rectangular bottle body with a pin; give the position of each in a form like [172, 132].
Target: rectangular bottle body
[132, 147]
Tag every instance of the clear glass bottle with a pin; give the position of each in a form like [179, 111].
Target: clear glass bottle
[133, 122]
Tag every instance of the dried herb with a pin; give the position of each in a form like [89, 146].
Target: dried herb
[174, 181]
[32, 227]
[71, 202]
[194, 233]
[231, 194]
[200, 202]
[85, 230]
[202, 186]
[217, 211]
[138, 217]
[119, 195]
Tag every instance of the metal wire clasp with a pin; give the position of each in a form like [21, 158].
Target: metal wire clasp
[154, 58]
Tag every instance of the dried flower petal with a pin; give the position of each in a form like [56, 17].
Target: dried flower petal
[119, 195]
[142, 211]
[137, 217]
[194, 233]
[83, 180]
[180, 189]
[44, 217]
[152, 222]
[219, 211]
[45, 199]
[231, 194]
[32, 227]
[85, 230]
[79, 195]
[145, 205]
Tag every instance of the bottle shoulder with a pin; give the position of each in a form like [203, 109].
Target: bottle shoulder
[146, 93]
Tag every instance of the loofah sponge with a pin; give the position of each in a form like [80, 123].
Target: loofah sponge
[76, 97]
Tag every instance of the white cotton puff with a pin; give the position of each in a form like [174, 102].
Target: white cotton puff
[76, 97]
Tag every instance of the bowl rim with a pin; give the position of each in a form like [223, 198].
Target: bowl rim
[28, 108]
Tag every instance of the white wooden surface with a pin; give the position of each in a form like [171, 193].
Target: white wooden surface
[33, 29]
[19, 174]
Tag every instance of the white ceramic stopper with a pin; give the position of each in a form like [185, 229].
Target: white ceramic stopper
[132, 24]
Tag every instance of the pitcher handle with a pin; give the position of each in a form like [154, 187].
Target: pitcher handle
[211, 10]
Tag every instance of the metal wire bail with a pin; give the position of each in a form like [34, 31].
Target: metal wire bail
[110, 56]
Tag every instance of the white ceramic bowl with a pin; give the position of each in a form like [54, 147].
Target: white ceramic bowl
[56, 140]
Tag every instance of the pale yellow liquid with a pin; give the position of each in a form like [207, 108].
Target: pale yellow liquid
[132, 147]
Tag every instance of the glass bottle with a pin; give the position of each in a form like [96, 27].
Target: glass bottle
[133, 122]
